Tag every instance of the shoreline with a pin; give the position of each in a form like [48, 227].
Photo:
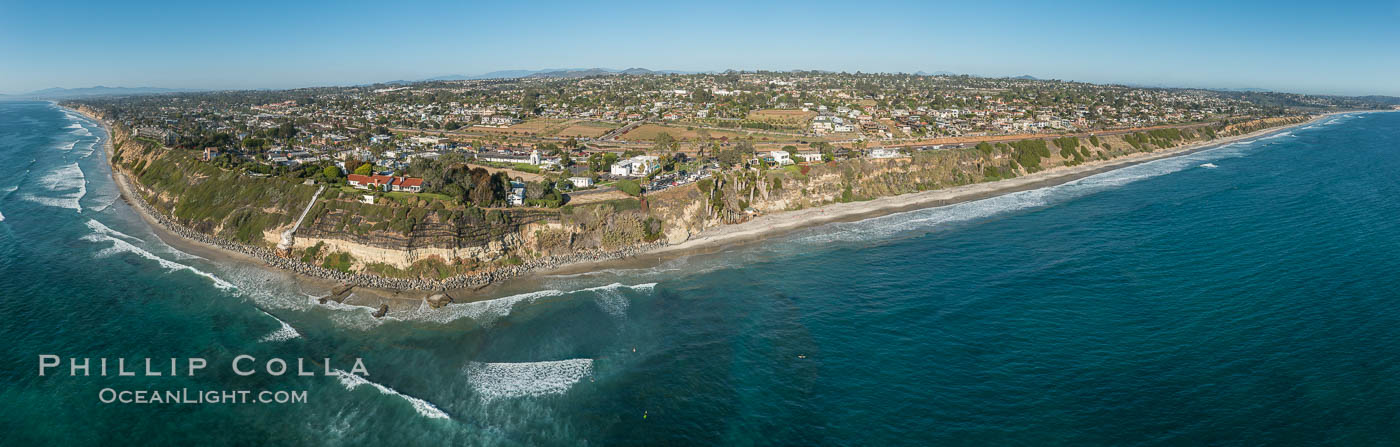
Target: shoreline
[772, 225]
[467, 288]
[463, 288]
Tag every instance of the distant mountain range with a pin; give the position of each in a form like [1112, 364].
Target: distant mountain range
[70, 93]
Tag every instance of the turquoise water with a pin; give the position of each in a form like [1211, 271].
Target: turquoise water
[1240, 295]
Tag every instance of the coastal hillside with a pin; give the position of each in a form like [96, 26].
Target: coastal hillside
[736, 196]
[398, 235]
[433, 237]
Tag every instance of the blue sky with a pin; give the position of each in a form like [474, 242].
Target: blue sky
[1314, 47]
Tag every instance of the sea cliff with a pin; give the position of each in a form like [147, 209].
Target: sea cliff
[446, 247]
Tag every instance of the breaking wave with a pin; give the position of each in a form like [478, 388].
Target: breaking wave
[611, 300]
[488, 311]
[101, 233]
[91, 147]
[924, 219]
[68, 180]
[284, 333]
[425, 408]
[493, 381]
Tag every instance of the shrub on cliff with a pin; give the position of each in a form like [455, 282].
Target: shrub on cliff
[629, 186]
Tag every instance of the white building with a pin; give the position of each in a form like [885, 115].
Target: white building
[781, 158]
[635, 167]
[429, 141]
[885, 152]
[581, 182]
[809, 156]
[517, 194]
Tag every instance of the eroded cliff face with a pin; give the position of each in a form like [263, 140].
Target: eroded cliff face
[738, 195]
[430, 239]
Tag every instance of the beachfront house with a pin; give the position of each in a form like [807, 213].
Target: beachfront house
[885, 152]
[385, 183]
[809, 156]
[517, 194]
[780, 158]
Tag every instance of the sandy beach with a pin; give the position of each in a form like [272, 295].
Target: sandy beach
[712, 240]
[771, 225]
[362, 296]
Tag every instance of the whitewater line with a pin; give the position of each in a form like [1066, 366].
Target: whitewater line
[425, 408]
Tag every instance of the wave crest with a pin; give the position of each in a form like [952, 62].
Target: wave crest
[425, 408]
[120, 245]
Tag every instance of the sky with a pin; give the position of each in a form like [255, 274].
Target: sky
[1349, 47]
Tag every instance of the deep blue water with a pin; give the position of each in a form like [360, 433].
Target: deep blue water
[1170, 303]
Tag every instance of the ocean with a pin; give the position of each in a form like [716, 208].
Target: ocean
[1240, 295]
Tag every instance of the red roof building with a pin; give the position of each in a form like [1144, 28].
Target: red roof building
[385, 182]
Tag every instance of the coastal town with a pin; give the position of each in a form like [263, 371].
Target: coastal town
[583, 132]
[455, 178]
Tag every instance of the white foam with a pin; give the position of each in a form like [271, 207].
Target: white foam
[2, 217]
[611, 300]
[484, 312]
[68, 180]
[1209, 165]
[924, 219]
[487, 312]
[493, 381]
[53, 202]
[99, 228]
[348, 315]
[91, 147]
[74, 126]
[67, 146]
[425, 408]
[122, 246]
[284, 333]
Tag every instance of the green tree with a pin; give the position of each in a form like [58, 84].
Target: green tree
[331, 173]
[629, 186]
[364, 169]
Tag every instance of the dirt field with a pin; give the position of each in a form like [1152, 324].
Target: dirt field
[585, 129]
[648, 132]
[592, 196]
[782, 117]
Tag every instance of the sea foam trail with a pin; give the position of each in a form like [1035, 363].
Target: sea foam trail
[67, 180]
[352, 381]
[487, 312]
[103, 234]
[611, 300]
[493, 381]
[284, 333]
